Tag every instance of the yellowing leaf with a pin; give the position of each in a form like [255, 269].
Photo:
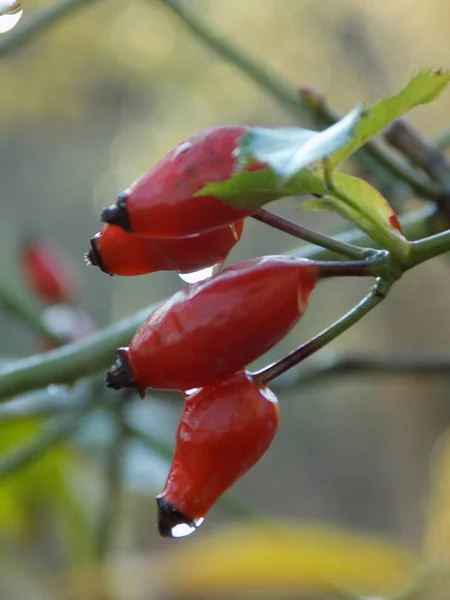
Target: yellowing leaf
[284, 557]
[437, 537]
[423, 87]
[367, 208]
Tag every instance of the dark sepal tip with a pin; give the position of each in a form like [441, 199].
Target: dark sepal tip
[94, 257]
[169, 517]
[119, 375]
[117, 214]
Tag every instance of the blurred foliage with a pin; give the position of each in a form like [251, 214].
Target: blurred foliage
[85, 109]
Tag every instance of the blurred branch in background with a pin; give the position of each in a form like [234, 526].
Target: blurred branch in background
[420, 152]
[298, 103]
[26, 311]
[54, 434]
[113, 481]
[42, 20]
[334, 364]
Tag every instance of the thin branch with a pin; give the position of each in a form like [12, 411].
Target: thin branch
[40, 22]
[308, 235]
[419, 151]
[114, 473]
[45, 403]
[429, 247]
[291, 100]
[335, 364]
[89, 356]
[160, 447]
[376, 295]
[26, 311]
[442, 141]
[72, 361]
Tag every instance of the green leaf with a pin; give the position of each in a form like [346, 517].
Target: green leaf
[288, 150]
[366, 207]
[252, 189]
[286, 153]
[423, 88]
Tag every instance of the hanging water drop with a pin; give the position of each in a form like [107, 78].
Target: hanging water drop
[172, 522]
[201, 275]
[184, 529]
[10, 13]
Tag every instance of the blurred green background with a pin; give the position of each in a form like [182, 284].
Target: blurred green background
[89, 106]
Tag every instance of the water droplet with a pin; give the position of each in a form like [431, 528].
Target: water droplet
[184, 529]
[234, 231]
[190, 392]
[201, 275]
[181, 148]
[10, 13]
[53, 389]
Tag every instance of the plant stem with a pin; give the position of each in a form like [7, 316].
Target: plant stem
[429, 247]
[277, 88]
[308, 235]
[442, 141]
[89, 356]
[374, 267]
[41, 21]
[41, 403]
[336, 364]
[72, 361]
[376, 295]
[387, 237]
[19, 306]
[293, 101]
[419, 151]
[160, 447]
[114, 468]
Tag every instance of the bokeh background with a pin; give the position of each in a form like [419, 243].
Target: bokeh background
[89, 106]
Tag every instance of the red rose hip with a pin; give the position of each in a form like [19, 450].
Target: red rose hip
[215, 328]
[224, 430]
[119, 253]
[163, 204]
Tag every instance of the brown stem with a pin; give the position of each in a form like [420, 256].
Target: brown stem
[308, 235]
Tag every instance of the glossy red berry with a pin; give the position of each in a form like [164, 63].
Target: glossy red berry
[48, 273]
[215, 328]
[224, 430]
[163, 204]
[119, 253]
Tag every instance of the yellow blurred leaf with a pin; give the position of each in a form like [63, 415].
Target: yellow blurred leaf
[437, 536]
[285, 557]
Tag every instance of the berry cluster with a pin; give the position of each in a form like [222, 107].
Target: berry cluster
[202, 339]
